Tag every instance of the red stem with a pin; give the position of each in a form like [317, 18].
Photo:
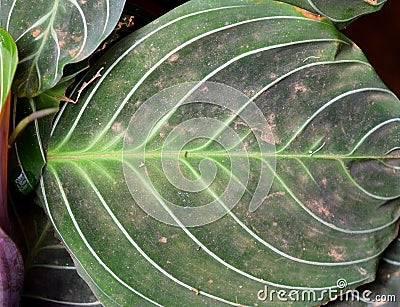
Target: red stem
[4, 129]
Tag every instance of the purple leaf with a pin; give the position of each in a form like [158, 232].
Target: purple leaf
[11, 271]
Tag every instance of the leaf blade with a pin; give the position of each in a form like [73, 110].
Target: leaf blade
[312, 200]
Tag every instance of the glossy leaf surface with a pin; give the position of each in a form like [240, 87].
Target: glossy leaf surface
[51, 34]
[153, 137]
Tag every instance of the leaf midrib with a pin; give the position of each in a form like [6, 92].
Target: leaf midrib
[188, 154]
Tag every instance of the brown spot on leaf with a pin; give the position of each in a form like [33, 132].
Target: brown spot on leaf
[267, 135]
[61, 44]
[116, 127]
[279, 193]
[300, 88]
[173, 58]
[309, 14]
[76, 38]
[36, 33]
[237, 123]
[362, 271]
[159, 84]
[373, 2]
[318, 207]
[285, 243]
[336, 253]
[163, 240]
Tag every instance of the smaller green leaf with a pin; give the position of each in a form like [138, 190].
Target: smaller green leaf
[51, 34]
[27, 157]
[8, 64]
[342, 12]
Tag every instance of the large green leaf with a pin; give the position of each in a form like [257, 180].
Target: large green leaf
[53, 33]
[226, 96]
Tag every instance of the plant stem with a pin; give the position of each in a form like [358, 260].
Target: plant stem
[4, 128]
[30, 118]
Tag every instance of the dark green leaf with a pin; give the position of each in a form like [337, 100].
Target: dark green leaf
[236, 93]
[385, 290]
[51, 34]
[51, 278]
[28, 155]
